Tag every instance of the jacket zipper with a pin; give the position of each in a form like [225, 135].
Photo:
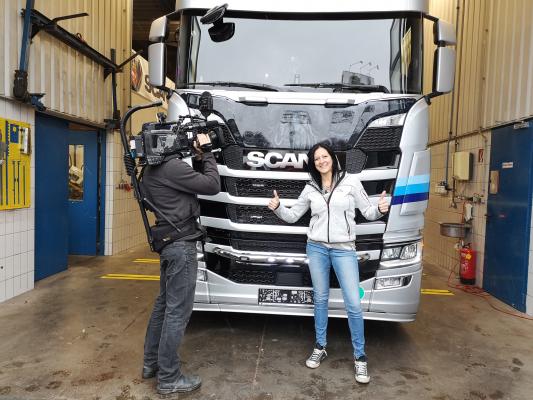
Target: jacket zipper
[347, 224]
[327, 202]
[330, 196]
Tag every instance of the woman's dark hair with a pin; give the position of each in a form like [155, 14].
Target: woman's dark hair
[336, 165]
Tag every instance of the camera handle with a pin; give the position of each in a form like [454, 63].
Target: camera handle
[131, 170]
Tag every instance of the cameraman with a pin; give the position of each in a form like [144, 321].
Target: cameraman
[172, 187]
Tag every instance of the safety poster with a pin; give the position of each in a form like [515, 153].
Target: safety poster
[15, 157]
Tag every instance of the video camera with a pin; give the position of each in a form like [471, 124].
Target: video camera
[161, 139]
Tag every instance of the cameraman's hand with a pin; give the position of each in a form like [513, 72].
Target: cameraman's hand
[274, 201]
[201, 139]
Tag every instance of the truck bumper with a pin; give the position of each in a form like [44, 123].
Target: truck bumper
[216, 293]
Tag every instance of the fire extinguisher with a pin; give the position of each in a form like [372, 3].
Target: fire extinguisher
[467, 270]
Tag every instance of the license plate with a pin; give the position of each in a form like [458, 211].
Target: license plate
[285, 296]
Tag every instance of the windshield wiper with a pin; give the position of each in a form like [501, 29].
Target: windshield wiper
[254, 86]
[344, 87]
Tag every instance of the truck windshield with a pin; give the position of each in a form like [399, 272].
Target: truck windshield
[321, 55]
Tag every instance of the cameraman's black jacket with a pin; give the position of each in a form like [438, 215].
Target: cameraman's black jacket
[173, 186]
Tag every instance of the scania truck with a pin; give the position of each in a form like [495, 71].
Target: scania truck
[284, 75]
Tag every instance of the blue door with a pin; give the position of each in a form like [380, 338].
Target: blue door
[509, 215]
[83, 192]
[51, 196]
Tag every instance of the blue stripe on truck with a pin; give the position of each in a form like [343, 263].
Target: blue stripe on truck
[411, 189]
[409, 198]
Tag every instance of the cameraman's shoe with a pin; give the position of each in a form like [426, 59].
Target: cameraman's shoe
[182, 385]
[149, 372]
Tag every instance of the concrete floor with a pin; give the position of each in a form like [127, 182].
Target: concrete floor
[76, 336]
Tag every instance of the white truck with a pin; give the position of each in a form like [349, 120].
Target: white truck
[283, 76]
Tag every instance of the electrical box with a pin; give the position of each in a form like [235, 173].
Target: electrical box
[15, 161]
[462, 165]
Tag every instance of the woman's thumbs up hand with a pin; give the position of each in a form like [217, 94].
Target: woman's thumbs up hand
[274, 201]
[383, 205]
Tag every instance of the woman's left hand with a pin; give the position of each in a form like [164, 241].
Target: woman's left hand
[383, 205]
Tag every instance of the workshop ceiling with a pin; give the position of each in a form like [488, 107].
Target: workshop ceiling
[144, 12]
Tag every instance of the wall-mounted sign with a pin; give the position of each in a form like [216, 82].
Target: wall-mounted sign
[140, 82]
[507, 165]
[137, 74]
[15, 158]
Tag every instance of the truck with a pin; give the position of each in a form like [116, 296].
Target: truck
[284, 75]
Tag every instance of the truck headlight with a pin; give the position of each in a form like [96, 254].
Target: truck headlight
[406, 252]
[409, 251]
[391, 282]
[389, 121]
[391, 253]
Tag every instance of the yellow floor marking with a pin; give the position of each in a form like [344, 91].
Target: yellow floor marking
[135, 275]
[146, 260]
[440, 292]
[131, 277]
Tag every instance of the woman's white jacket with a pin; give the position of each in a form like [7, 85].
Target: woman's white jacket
[332, 219]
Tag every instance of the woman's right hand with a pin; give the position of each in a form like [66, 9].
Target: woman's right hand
[274, 201]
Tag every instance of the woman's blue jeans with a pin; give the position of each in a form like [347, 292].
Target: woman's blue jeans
[346, 268]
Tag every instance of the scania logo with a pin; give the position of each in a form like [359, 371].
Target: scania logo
[273, 159]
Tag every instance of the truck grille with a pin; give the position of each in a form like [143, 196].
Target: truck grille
[288, 189]
[260, 215]
[233, 157]
[266, 246]
[355, 161]
[279, 275]
[380, 139]
[248, 187]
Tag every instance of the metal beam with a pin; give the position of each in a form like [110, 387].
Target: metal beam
[41, 22]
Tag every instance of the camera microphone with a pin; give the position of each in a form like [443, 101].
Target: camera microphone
[199, 126]
[205, 104]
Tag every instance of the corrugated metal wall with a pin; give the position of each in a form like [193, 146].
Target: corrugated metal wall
[439, 122]
[494, 83]
[73, 84]
[509, 63]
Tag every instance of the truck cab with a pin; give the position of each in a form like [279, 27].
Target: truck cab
[283, 76]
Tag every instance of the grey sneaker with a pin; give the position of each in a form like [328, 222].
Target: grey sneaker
[361, 370]
[319, 353]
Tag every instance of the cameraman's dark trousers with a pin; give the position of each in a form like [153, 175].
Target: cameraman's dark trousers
[172, 309]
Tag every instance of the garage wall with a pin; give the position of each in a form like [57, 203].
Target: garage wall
[73, 84]
[74, 89]
[17, 227]
[124, 227]
[494, 87]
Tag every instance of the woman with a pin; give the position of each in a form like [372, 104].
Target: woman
[333, 197]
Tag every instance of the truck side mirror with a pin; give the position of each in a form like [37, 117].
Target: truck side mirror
[158, 30]
[443, 70]
[444, 33]
[444, 59]
[157, 64]
[157, 52]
